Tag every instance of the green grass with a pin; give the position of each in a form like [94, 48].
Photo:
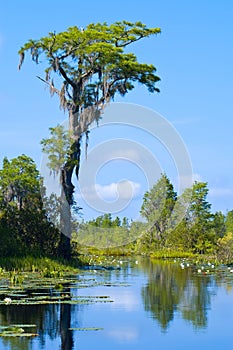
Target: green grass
[167, 254]
[34, 264]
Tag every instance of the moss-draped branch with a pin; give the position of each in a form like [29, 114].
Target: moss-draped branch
[87, 67]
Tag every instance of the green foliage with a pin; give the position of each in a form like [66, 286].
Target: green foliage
[188, 226]
[91, 66]
[92, 62]
[169, 253]
[219, 226]
[229, 221]
[50, 273]
[33, 264]
[57, 147]
[157, 207]
[171, 288]
[9, 243]
[199, 218]
[225, 248]
[16, 277]
[194, 233]
[24, 225]
[106, 221]
[19, 181]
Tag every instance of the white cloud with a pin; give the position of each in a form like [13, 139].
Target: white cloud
[124, 190]
[127, 301]
[108, 192]
[126, 334]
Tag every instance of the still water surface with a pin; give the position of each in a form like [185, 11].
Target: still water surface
[154, 305]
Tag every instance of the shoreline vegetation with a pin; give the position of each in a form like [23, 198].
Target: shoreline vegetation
[174, 226]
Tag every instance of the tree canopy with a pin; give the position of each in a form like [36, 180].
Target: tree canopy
[86, 68]
[19, 180]
[92, 63]
[24, 224]
[157, 206]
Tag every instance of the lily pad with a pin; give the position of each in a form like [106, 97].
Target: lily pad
[86, 329]
[4, 334]
[24, 325]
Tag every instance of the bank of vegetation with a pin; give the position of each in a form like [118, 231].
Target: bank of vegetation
[174, 225]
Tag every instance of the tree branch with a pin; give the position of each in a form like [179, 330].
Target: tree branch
[65, 76]
[129, 41]
[50, 85]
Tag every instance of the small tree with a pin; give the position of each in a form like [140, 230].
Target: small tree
[199, 219]
[19, 180]
[57, 147]
[157, 207]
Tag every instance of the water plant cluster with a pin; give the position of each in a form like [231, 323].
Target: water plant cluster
[36, 288]
[19, 330]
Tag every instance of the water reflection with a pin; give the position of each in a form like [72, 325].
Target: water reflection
[171, 289]
[52, 321]
[65, 324]
[148, 298]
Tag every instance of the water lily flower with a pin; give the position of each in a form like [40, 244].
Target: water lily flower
[7, 300]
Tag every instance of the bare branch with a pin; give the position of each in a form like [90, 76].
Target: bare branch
[50, 84]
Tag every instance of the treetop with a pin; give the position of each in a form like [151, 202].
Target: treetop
[92, 62]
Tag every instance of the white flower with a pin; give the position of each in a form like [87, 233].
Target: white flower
[7, 300]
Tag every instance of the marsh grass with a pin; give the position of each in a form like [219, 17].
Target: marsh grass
[36, 264]
[172, 254]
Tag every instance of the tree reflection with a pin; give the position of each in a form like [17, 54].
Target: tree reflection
[170, 289]
[65, 324]
[195, 302]
[52, 321]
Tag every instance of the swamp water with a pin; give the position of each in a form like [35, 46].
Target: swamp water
[142, 305]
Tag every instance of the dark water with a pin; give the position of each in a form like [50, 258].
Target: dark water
[155, 305]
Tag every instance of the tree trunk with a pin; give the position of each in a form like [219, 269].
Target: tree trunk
[67, 189]
[68, 169]
[65, 228]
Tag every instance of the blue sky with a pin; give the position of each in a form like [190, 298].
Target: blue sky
[193, 56]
